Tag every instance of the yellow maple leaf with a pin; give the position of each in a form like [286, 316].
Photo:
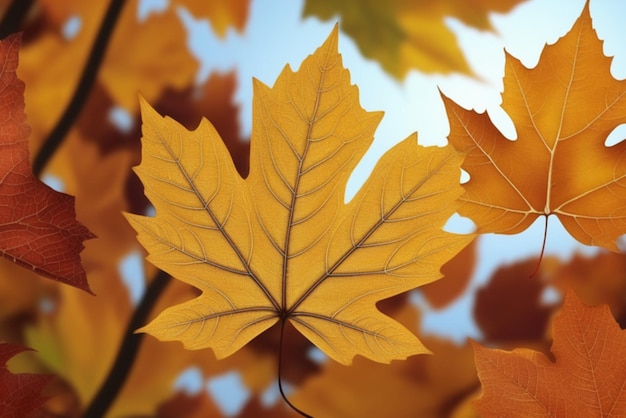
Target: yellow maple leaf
[405, 34]
[563, 110]
[281, 244]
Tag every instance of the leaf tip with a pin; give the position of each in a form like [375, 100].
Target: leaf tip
[145, 107]
[332, 41]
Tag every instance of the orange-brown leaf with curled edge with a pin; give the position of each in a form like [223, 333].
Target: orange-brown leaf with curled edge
[563, 111]
[281, 244]
[38, 227]
[587, 378]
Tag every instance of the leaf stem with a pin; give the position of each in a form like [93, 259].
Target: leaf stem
[128, 350]
[14, 16]
[87, 80]
[280, 368]
[543, 247]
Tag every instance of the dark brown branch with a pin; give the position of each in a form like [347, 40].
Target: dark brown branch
[128, 350]
[14, 17]
[87, 80]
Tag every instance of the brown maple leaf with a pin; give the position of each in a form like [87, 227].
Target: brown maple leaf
[38, 225]
[587, 378]
[563, 110]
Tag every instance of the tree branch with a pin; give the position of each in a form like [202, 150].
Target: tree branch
[87, 80]
[14, 17]
[128, 350]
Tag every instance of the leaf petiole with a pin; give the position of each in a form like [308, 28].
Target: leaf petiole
[280, 367]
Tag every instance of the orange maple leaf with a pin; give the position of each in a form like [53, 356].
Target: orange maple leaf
[38, 225]
[587, 378]
[563, 110]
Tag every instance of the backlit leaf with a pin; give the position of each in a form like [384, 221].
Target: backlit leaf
[281, 244]
[563, 110]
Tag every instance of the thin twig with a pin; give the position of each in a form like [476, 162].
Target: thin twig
[87, 80]
[543, 247]
[128, 350]
[14, 17]
[280, 368]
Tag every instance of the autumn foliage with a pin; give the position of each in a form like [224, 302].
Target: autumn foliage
[257, 266]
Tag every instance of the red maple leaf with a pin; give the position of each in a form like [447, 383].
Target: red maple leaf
[38, 226]
[20, 394]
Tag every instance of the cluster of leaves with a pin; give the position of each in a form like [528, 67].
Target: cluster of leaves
[272, 263]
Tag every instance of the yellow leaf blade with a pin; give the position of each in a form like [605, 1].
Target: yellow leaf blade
[388, 241]
[282, 245]
[200, 325]
[201, 229]
[309, 134]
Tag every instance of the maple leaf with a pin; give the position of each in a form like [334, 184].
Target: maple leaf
[38, 224]
[403, 34]
[563, 111]
[587, 379]
[282, 245]
[20, 394]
